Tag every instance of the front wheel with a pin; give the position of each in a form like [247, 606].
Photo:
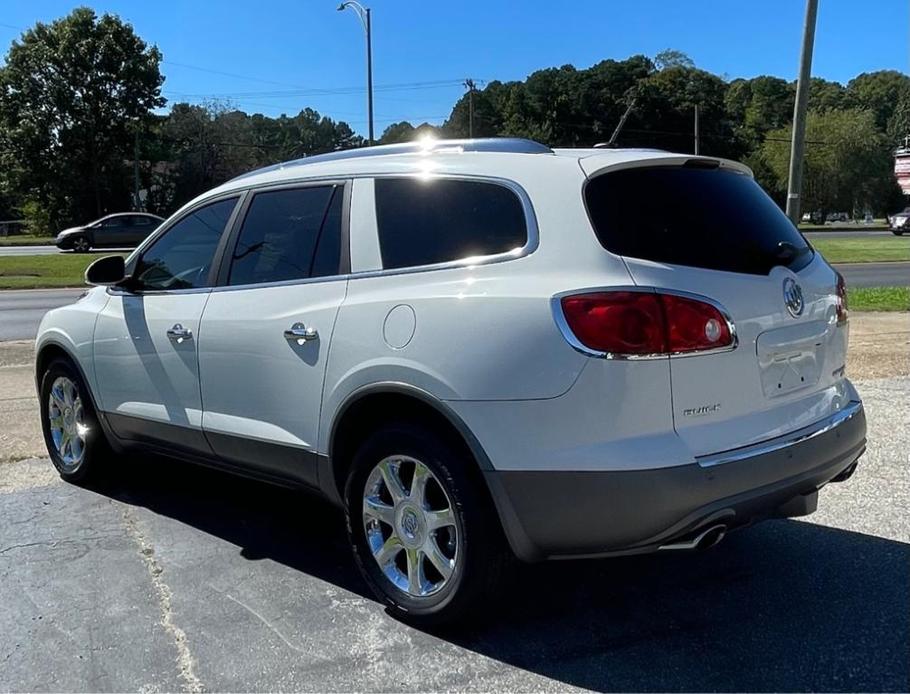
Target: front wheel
[72, 434]
[81, 245]
[423, 533]
[897, 232]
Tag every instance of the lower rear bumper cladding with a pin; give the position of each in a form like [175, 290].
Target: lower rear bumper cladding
[556, 514]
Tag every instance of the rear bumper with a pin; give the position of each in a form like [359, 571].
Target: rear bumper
[554, 514]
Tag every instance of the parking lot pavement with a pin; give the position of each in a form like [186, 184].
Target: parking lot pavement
[172, 577]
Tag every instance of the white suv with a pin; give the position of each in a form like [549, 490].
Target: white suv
[479, 349]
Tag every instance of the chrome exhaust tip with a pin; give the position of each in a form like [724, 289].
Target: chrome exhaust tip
[705, 539]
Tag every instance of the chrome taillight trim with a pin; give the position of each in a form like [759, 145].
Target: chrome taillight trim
[577, 345]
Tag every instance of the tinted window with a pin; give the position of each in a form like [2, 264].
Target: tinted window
[289, 235]
[181, 259]
[424, 222]
[140, 221]
[709, 218]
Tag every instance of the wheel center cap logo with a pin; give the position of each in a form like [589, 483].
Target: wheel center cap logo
[793, 297]
[409, 524]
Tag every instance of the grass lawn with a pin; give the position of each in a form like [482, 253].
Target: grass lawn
[26, 240]
[871, 250]
[877, 225]
[878, 298]
[41, 271]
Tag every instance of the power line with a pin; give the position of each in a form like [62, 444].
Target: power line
[315, 91]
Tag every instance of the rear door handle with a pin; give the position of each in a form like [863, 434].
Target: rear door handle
[178, 333]
[301, 333]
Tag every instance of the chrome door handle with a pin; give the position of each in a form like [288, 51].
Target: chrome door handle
[178, 333]
[301, 333]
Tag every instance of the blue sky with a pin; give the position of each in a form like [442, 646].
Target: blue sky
[280, 53]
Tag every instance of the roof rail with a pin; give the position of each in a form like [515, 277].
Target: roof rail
[514, 145]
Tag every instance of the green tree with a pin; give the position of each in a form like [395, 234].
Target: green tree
[847, 162]
[825, 95]
[670, 57]
[899, 123]
[758, 105]
[879, 92]
[405, 132]
[72, 93]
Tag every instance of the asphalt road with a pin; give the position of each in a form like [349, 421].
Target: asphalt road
[845, 234]
[21, 310]
[875, 274]
[171, 577]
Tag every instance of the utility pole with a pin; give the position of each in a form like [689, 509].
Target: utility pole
[622, 121]
[798, 145]
[696, 128]
[370, 72]
[136, 203]
[469, 84]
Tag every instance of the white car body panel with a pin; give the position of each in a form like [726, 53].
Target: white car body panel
[140, 371]
[256, 383]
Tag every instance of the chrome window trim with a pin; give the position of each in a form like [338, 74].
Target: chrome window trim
[848, 412]
[563, 325]
[533, 236]
[167, 225]
[251, 194]
[533, 240]
[533, 232]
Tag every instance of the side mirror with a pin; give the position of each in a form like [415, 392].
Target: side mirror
[106, 271]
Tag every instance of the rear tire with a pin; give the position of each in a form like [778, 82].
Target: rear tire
[435, 548]
[72, 433]
[897, 232]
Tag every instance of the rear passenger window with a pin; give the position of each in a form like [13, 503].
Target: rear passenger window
[289, 235]
[424, 222]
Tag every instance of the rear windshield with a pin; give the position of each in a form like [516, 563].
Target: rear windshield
[709, 218]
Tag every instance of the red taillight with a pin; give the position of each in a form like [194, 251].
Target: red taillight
[617, 322]
[626, 323]
[841, 304]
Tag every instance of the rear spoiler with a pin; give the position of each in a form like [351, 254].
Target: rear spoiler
[597, 164]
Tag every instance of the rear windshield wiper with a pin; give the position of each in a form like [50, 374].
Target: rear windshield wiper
[788, 252]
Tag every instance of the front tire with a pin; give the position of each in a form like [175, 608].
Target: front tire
[423, 532]
[72, 433]
[897, 232]
[81, 245]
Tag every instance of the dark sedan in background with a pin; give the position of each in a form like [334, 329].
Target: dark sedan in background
[123, 230]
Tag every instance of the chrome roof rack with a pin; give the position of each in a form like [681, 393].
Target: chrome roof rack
[513, 145]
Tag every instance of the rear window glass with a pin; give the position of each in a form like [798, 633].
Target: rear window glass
[709, 218]
[424, 222]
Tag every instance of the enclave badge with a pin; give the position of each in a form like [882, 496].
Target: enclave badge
[793, 297]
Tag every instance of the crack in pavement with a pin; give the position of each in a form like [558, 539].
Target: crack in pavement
[185, 661]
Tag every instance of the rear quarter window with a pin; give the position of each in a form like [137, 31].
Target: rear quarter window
[707, 218]
[425, 222]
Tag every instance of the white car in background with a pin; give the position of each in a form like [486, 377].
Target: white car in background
[900, 222]
[480, 349]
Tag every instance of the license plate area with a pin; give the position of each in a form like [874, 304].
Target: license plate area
[790, 358]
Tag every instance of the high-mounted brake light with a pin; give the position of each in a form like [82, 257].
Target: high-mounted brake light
[644, 323]
[841, 305]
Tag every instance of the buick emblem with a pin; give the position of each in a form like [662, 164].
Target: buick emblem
[793, 297]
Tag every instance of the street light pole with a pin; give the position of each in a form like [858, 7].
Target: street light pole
[366, 20]
[136, 204]
[798, 145]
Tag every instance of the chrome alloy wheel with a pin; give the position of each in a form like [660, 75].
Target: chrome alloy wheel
[410, 525]
[66, 415]
[81, 245]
